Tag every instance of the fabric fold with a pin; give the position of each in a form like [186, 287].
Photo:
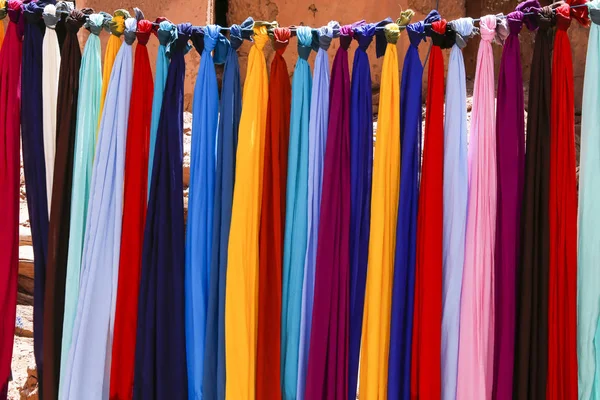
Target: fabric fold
[296, 218]
[456, 188]
[272, 224]
[198, 240]
[88, 368]
[475, 363]
[134, 218]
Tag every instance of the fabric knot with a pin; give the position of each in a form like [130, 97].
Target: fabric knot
[94, 24]
[529, 8]
[106, 18]
[138, 14]
[281, 39]
[50, 17]
[197, 38]
[144, 30]
[221, 49]
[464, 30]
[433, 16]
[13, 9]
[442, 34]
[324, 35]
[595, 15]
[166, 33]
[364, 35]
[515, 22]
[416, 33]
[487, 28]
[211, 35]
[580, 14]
[304, 34]
[546, 19]
[239, 33]
[563, 17]
[130, 30]
[346, 33]
[75, 20]
[502, 30]
[65, 7]
[380, 39]
[117, 23]
[392, 33]
[3, 9]
[32, 12]
[405, 18]
[261, 36]
[184, 32]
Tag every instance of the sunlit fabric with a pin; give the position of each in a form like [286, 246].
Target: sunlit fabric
[160, 359]
[230, 110]
[88, 367]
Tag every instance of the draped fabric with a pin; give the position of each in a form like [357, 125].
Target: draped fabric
[531, 342]
[34, 168]
[58, 232]
[510, 156]
[160, 358]
[166, 34]
[328, 356]
[88, 107]
[90, 354]
[269, 365]
[562, 301]
[200, 206]
[475, 363]
[317, 138]
[588, 291]
[116, 27]
[426, 342]
[230, 111]
[134, 217]
[296, 218]
[455, 205]
[241, 304]
[361, 169]
[10, 109]
[50, 73]
[405, 239]
[384, 208]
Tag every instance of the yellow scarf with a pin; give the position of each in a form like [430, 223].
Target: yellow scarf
[241, 296]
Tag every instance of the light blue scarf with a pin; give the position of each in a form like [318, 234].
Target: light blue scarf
[88, 368]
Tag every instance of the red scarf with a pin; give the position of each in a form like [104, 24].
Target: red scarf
[562, 301]
[272, 224]
[427, 327]
[134, 218]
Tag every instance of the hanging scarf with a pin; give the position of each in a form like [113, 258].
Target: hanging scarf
[588, 291]
[361, 169]
[10, 109]
[90, 354]
[405, 240]
[229, 118]
[51, 55]
[199, 235]
[531, 344]
[296, 219]
[455, 204]
[242, 272]
[510, 153]
[90, 86]
[160, 358]
[34, 168]
[328, 357]
[384, 205]
[475, 362]
[166, 34]
[268, 349]
[427, 329]
[56, 268]
[562, 307]
[134, 217]
[317, 138]
[116, 27]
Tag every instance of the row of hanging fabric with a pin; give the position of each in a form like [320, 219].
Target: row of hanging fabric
[315, 259]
